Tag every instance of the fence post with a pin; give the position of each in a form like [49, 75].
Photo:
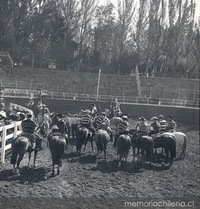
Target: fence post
[3, 145]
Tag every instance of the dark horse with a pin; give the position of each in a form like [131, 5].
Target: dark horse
[83, 134]
[57, 143]
[143, 143]
[20, 146]
[168, 142]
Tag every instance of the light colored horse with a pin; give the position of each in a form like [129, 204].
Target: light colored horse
[102, 138]
[181, 142]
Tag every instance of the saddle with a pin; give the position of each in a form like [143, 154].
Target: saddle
[56, 132]
[31, 137]
[155, 135]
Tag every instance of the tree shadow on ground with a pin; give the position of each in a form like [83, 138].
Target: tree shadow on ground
[26, 176]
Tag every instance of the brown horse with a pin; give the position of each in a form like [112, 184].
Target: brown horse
[168, 142]
[143, 143]
[57, 143]
[20, 146]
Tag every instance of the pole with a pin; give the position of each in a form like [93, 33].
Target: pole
[98, 85]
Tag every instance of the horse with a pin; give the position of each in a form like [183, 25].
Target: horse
[20, 146]
[83, 134]
[181, 141]
[68, 124]
[123, 147]
[168, 142]
[115, 121]
[102, 138]
[145, 144]
[57, 143]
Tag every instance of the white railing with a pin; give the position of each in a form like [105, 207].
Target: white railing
[20, 108]
[104, 98]
[5, 136]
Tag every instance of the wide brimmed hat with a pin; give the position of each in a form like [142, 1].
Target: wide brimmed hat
[161, 116]
[125, 117]
[103, 113]
[154, 118]
[28, 115]
[142, 118]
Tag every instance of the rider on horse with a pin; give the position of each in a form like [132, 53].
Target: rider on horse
[171, 124]
[103, 122]
[58, 126]
[93, 110]
[155, 126]
[86, 121]
[115, 109]
[142, 128]
[28, 130]
[122, 128]
[163, 123]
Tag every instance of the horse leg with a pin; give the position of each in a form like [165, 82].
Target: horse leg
[133, 153]
[29, 159]
[120, 162]
[18, 162]
[13, 160]
[104, 150]
[91, 141]
[53, 168]
[58, 170]
[97, 151]
[35, 154]
[167, 155]
[85, 145]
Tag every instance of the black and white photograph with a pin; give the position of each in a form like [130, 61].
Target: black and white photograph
[99, 104]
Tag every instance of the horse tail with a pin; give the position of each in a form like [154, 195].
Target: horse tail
[100, 142]
[149, 150]
[14, 153]
[61, 146]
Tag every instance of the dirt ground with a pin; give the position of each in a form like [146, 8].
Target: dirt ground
[88, 181]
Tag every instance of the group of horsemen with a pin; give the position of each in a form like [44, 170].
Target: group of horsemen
[93, 121]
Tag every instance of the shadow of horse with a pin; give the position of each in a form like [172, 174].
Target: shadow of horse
[28, 176]
[83, 159]
[129, 167]
[112, 167]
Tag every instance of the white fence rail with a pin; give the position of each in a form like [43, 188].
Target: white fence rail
[20, 108]
[21, 93]
[5, 136]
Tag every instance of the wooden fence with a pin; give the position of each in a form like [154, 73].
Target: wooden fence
[6, 137]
